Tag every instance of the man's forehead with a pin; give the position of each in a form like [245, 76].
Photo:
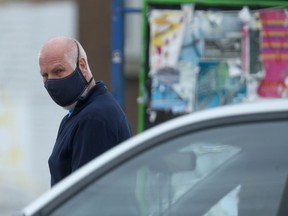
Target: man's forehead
[50, 52]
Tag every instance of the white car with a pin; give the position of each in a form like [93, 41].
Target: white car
[227, 161]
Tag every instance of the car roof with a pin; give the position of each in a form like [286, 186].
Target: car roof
[255, 107]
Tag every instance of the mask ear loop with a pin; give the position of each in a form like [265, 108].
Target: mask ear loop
[77, 64]
[78, 54]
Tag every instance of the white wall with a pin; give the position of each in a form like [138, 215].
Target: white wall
[29, 119]
[132, 38]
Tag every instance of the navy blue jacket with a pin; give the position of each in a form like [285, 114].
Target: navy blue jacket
[96, 124]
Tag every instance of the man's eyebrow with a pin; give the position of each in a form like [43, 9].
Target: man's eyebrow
[54, 69]
[57, 67]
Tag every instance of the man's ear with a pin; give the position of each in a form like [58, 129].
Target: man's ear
[83, 66]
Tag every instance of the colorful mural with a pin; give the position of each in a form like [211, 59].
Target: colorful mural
[230, 56]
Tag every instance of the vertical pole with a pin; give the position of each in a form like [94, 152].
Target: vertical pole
[118, 76]
[142, 75]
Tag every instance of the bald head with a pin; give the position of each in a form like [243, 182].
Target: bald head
[61, 54]
[60, 47]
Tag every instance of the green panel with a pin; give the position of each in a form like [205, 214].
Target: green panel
[267, 3]
[141, 105]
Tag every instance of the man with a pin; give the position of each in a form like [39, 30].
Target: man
[95, 122]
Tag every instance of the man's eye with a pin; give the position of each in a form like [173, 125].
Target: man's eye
[58, 71]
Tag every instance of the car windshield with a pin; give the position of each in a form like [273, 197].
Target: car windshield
[233, 170]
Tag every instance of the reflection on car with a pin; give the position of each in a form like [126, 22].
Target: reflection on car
[227, 161]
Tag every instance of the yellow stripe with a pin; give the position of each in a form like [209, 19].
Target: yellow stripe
[274, 45]
[273, 22]
[275, 33]
[274, 56]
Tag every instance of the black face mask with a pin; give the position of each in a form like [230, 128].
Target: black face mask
[67, 90]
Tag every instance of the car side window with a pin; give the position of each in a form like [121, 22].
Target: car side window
[223, 169]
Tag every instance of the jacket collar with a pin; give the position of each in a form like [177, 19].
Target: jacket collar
[98, 89]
